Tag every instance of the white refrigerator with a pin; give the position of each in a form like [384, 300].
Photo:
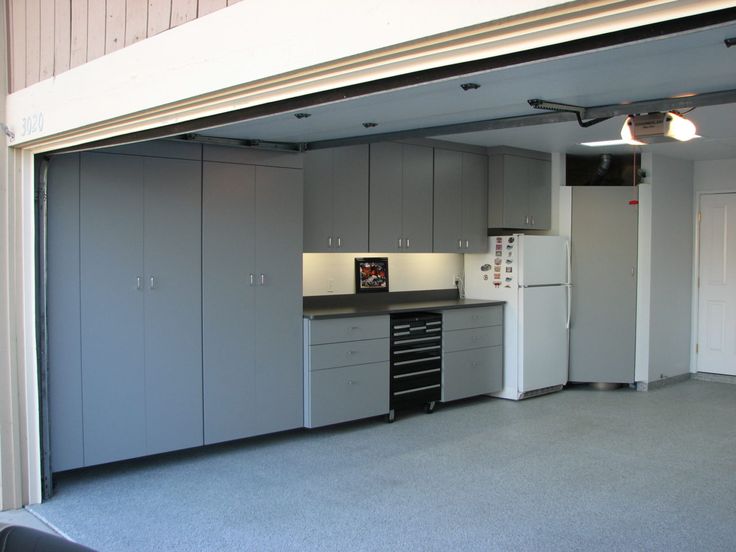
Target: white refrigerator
[532, 275]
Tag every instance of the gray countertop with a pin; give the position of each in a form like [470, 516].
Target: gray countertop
[393, 308]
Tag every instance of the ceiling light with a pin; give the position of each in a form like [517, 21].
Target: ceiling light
[470, 86]
[657, 127]
[605, 143]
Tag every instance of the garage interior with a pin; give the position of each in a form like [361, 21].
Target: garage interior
[563, 477]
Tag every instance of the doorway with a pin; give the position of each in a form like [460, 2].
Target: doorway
[717, 285]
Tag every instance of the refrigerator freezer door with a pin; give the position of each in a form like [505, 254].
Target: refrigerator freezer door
[543, 260]
[543, 343]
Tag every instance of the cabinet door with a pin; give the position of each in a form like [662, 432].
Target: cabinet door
[350, 205]
[228, 301]
[65, 364]
[385, 197]
[515, 191]
[111, 264]
[472, 372]
[173, 317]
[448, 199]
[474, 203]
[540, 190]
[279, 398]
[417, 198]
[318, 201]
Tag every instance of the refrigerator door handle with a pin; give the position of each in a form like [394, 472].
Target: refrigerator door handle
[568, 292]
[568, 256]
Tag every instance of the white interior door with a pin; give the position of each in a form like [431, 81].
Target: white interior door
[717, 297]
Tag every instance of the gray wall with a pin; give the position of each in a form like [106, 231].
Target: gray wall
[671, 262]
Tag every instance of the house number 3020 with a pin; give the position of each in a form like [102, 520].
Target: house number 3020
[32, 124]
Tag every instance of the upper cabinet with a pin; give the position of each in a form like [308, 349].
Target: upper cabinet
[336, 200]
[519, 192]
[460, 202]
[401, 178]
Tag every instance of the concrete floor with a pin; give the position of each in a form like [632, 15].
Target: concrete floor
[25, 518]
[576, 470]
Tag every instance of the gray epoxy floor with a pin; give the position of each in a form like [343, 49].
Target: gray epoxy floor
[576, 470]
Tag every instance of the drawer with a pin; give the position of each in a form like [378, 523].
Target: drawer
[347, 393]
[472, 317]
[336, 330]
[473, 372]
[332, 355]
[475, 338]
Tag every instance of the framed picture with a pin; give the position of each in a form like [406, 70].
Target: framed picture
[371, 274]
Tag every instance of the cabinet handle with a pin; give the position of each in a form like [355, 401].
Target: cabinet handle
[532, 220]
[252, 279]
[399, 243]
[460, 244]
[138, 282]
[408, 243]
[351, 353]
[526, 220]
[329, 241]
[352, 382]
[263, 279]
[339, 241]
[152, 282]
[467, 244]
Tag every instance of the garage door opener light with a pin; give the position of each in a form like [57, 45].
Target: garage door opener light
[653, 128]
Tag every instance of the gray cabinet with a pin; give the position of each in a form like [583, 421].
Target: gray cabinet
[401, 181]
[460, 202]
[519, 192]
[252, 300]
[472, 352]
[346, 369]
[336, 199]
[140, 312]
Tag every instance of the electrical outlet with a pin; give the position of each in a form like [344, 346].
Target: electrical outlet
[456, 279]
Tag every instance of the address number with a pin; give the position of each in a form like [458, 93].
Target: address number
[32, 124]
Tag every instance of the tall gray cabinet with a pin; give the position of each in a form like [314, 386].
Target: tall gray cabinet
[401, 177]
[336, 199]
[132, 293]
[125, 322]
[252, 293]
[460, 202]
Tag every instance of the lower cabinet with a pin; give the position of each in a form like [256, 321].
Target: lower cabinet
[472, 352]
[346, 369]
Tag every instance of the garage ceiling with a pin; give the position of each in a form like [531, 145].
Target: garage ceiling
[686, 64]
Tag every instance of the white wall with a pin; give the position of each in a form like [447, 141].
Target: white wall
[326, 273]
[671, 274]
[715, 176]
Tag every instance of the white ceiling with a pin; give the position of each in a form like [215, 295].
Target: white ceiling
[691, 63]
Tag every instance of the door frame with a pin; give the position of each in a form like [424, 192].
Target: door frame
[696, 275]
[20, 440]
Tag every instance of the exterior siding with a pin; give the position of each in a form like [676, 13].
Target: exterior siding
[50, 37]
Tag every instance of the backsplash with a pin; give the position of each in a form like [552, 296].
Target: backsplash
[328, 273]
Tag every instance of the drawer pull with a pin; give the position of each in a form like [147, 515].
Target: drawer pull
[416, 361]
[416, 340]
[417, 350]
[399, 376]
[352, 382]
[417, 389]
[350, 353]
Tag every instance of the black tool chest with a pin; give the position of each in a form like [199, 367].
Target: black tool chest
[416, 360]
